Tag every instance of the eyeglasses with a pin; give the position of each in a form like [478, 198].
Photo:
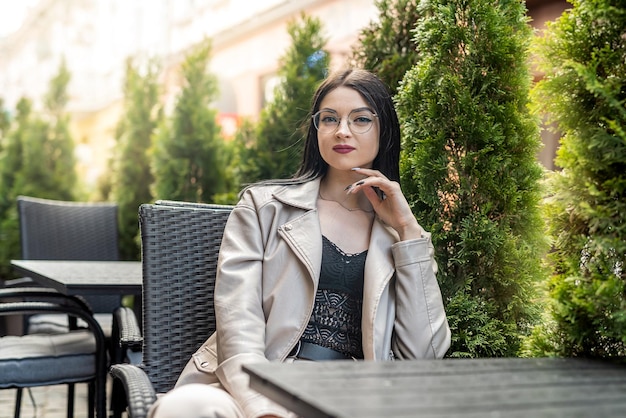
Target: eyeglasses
[360, 121]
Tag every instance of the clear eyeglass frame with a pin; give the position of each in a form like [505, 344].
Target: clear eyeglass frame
[360, 121]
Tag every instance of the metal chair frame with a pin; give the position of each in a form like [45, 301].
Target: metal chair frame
[17, 301]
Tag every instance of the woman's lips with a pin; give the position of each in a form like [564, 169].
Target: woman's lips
[343, 149]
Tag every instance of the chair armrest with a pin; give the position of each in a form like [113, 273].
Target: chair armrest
[126, 336]
[45, 294]
[34, 307]
[21, 282]
[140, 394]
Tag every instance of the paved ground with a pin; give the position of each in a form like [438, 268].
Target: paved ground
[50, 401]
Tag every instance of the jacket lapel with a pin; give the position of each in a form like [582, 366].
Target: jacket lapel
[379, 266]
[303, 232]
[379, 270]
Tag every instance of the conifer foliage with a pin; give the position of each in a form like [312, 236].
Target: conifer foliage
[583, 56]
[131, 168]
[469, 167]
[387, 46]
[188, 149]
[36, 159]
[5, 122]
[279, 134]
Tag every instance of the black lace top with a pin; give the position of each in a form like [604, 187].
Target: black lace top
[336, 319]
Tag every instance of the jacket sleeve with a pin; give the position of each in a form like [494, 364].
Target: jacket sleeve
[421, 328]
[238, 309]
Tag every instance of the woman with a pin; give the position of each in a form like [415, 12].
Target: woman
[331, 264]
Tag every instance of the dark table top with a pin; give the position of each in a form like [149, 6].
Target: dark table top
[84, 277]
[477, 388]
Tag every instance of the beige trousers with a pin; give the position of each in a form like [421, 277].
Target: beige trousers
[196, 400]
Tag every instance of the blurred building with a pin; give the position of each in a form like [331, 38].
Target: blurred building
[542, 11]
[95, 37]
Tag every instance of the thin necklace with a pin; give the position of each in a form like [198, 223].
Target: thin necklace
[319, 193]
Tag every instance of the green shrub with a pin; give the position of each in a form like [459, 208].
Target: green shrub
[583, 57]
[469, 168]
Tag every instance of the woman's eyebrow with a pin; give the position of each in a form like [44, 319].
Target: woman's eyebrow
[358, 109]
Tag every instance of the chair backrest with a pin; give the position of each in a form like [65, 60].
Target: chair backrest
[60, 230]
[180, 246]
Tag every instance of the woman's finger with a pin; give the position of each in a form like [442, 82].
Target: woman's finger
[382, 183]
[369, 172]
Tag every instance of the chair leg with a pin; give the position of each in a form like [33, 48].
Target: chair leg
[70, 400]
[18, 402]
[91, 399]
[118, 399]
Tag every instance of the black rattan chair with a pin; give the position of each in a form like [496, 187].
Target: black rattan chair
[60, 230]
[72, 357]
[180, 246]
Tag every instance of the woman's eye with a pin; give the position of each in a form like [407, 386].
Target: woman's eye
[362, 120]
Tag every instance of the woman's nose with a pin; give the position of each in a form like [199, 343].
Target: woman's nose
[344, 127]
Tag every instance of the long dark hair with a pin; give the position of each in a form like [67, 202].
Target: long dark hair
[376, 94]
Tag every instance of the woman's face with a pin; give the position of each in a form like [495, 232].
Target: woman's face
[347, 130]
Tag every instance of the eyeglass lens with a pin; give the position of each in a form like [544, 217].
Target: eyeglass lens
[359, 121]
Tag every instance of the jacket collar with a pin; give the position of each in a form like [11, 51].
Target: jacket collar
[302, 195]
[379, 264]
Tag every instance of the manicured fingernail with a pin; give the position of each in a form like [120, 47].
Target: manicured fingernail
[359, 183]
[348, 187]
[355, 168]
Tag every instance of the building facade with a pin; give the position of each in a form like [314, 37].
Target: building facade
[95, 37]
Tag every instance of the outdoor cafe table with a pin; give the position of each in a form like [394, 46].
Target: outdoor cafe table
[478, 388]
[84, 277]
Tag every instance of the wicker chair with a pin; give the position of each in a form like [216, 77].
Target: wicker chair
[59, 230]
[180, 245]
[72, 357]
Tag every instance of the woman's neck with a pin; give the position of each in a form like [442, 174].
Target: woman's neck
[335, 182]
[333, 188]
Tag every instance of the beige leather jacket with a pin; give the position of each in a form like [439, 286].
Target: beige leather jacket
[268, 272]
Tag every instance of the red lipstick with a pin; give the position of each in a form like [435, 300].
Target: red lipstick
[343, 148]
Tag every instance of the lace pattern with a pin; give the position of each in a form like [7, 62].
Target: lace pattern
[336, 319]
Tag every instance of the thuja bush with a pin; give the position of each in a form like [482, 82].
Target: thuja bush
[280, 131]
[36, 159]
[131, 175]
[387, 45]
[583, 57]
[470, 170]
[188, 149]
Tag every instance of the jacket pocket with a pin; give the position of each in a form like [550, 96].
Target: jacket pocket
[201, 367]
[205, 359]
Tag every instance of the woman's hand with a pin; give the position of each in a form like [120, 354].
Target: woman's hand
[394, 209]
